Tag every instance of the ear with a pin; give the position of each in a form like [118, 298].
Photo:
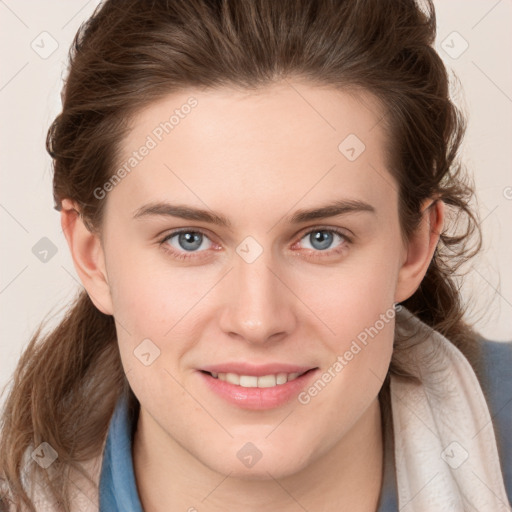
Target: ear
[420, 248]
[88, 256]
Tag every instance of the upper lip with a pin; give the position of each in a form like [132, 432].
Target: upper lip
[244, 368]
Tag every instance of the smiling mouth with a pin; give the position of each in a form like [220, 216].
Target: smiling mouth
[253, 381]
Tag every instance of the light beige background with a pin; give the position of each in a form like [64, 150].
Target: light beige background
[30, 98]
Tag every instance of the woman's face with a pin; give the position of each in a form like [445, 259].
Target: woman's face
[280, 286]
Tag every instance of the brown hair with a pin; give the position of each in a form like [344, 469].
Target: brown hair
[132, 53]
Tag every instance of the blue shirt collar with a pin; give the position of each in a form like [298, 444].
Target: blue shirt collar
[118, 489]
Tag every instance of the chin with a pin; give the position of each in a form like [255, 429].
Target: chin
[250, 463]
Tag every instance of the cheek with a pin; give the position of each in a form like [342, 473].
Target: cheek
[354, 294]
[356, 303]
[148, 303]
[353, 375]
[157, 302]
[150, 296]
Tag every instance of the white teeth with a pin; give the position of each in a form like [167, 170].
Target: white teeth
[232, 378]
[251, 381]
[282, 378]
[248, 381]
[267, 381]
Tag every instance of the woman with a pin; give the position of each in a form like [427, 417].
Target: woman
[263, 202]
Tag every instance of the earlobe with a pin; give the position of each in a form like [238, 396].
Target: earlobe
[88, 256]
[420, 249]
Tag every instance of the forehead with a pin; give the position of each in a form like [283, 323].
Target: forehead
[277, 145]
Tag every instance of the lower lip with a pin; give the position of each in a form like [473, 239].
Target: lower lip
[258, 398]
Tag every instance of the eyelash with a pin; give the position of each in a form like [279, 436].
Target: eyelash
[185, 256]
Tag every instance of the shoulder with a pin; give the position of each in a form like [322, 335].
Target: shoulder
[496, 382]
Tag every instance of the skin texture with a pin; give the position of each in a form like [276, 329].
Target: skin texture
[256, 158]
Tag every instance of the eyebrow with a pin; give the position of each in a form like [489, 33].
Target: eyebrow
[340, 207]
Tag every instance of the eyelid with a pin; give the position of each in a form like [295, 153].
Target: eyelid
[173, 232]
[344, 232]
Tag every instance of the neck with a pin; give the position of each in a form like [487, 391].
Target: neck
[347, 477]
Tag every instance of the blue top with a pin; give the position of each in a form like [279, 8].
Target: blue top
[118, 490]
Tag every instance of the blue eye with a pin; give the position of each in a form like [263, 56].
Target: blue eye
[188, 241]
[185, 244]
[321, 239]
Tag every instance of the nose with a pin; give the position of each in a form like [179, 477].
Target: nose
[259, 307]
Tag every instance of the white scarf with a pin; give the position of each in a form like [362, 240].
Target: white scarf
[445, 447]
